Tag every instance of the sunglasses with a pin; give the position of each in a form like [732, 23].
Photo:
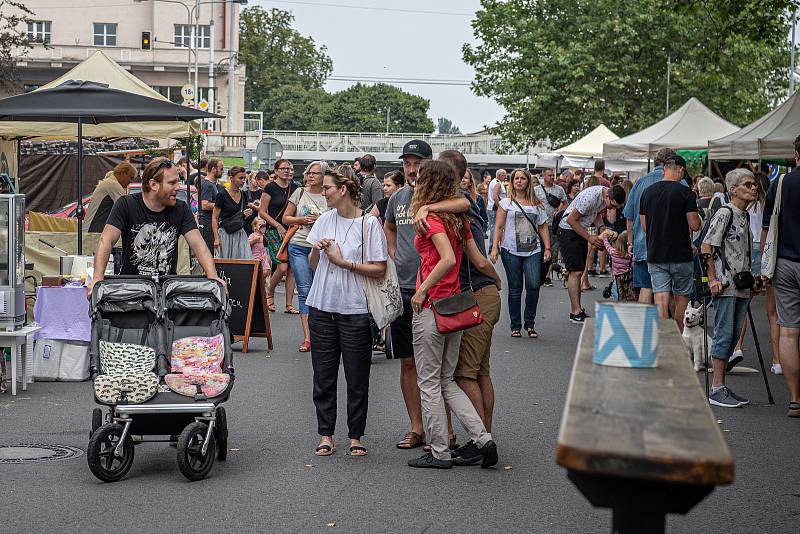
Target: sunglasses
[165, 164]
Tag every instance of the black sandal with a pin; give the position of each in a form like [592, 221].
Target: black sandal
[325, 449]
[532, 333]
[358, 450]
[516, 333]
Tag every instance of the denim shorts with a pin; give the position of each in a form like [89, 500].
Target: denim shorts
[641, 276]
[675, 278]
[730, 314]
[755, 259]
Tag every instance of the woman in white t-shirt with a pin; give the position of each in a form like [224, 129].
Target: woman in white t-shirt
[304, 207]
[343, 245]
[522, 239]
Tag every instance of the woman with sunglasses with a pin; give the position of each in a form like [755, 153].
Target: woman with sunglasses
[274, 201]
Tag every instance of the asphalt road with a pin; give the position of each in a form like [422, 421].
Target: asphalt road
[274, 483]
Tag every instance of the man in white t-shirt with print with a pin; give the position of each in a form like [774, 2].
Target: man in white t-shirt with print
[496, 193]
[574, 238]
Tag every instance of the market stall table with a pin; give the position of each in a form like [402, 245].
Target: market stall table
[63, 313]
[17, 341]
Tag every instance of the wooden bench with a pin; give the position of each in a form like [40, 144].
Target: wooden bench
[642, 442]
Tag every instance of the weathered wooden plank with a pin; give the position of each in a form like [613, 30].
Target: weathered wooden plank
[651, 424]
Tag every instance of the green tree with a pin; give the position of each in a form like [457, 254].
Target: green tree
[560, 67]
[292, 107]
[277, 55]
[446, 126]
[363, 108]
[14, 42]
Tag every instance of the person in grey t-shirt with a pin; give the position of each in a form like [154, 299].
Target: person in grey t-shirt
[371, 187]
[401, 228]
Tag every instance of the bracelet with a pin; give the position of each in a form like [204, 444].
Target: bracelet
[352, 267]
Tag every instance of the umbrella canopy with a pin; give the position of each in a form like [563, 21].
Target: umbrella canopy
[691, 127]
[770, 137]
[92, 103]
[101, 69]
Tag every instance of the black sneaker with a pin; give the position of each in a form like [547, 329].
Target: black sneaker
[430, 461]
[578, 318]
[548, 282]
[488, 454]
[592, 272]
[468, 454]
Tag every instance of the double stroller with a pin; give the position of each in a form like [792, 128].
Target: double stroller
[162, 365]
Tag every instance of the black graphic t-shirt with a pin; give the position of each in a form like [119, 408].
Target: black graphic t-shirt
[149, 238]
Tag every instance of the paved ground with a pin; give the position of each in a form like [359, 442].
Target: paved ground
[266, 486]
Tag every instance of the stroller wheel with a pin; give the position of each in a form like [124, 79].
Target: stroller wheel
[221, 434]
[97, 420]
[103, 461]
[191, 461]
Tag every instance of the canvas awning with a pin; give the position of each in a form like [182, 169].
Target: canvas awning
[591, 144]
[770, 137]
[102, 69]
[691, 127]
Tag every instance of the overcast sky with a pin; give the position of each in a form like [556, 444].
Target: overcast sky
[396, 40]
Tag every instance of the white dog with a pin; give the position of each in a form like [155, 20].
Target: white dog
[693, 336]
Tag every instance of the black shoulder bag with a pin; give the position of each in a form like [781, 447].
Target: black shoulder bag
[231, 225]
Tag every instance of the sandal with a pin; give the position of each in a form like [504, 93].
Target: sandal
[516, 333]
[452, 445]
[305, 347]
[411, 440]
[271, 303]
[291, 310]
[325, 449]
[532, 333]
[590, 288]
[358, 450]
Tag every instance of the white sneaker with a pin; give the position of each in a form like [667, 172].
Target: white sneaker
[777, 369]
[737, 352]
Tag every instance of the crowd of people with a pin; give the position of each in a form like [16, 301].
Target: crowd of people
[325, 237]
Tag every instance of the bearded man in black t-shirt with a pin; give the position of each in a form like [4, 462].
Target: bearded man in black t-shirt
[150, 223]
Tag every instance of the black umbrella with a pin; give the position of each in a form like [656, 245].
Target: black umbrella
[85, 102]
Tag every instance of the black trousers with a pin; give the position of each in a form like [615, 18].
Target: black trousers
[208, 236]
[335, 336]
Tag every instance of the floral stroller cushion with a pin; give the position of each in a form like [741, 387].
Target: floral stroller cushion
[197, 361]
[127, 373]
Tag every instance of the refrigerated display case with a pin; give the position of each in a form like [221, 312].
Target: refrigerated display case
[12, 261]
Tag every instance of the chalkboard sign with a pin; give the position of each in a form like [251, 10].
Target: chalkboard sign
[247, 297]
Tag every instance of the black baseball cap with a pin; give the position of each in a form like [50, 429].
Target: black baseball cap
[417, 147]
[675, 160]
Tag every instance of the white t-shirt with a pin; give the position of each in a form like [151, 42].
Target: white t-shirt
[589, 203]
[337, 290]
[518, 236]
[756, 212]
[494, 184]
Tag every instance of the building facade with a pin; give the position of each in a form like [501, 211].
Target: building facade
[150, 39]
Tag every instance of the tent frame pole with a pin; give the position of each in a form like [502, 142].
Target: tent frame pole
[79, 209]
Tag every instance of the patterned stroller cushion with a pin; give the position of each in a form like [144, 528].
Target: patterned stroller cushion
[126, 368]
[197, 361]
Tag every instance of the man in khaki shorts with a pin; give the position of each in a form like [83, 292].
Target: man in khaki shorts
[472, 371]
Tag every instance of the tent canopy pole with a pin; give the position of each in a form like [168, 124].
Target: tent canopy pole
[79, 209]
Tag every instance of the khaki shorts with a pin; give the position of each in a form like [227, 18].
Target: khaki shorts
[476, 343]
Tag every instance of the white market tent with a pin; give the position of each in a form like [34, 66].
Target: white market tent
[770, 137]
[585, 150]
[691, 127]
[100, 68]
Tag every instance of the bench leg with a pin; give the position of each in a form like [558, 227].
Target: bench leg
[13, 349]
[639, 506]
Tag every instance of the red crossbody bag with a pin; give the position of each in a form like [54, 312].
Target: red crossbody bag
[455, 313]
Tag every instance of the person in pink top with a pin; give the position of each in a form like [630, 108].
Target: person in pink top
[620, 259]
[256, 240]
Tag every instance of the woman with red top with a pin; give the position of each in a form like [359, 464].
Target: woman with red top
[435, 354]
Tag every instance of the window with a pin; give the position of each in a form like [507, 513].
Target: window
[105, 34]
[39, 31]
[173, 93]
[183, 35]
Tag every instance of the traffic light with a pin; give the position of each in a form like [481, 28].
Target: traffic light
[146, 42]
[218, 107]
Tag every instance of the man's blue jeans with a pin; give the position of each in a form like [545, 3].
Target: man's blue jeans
[303, 275]
[492, 219]
[519, 270]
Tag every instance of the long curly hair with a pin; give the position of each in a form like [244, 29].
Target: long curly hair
[437, 181]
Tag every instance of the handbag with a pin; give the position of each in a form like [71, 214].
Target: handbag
[233, 224]
[457, 312]
[383, 294]
[770, 255]
[283, 252]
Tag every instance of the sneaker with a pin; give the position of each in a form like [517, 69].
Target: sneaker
[548, 282]
[604, 274]
[468, 454]
[776, 369]
[428, 460]
[735, 360]
[722, 398]
[488, 454]
[578, 318]
[742, 400]
[592, 272]
[794, 410]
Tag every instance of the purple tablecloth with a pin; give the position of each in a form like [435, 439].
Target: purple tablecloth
[63, 313]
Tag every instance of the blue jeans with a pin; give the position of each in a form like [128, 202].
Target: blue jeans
[729, 316]
[521, 269]
[492, 219]
[303, 275]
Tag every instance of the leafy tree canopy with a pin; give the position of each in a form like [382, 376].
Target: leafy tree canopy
[446, 126]
[14, 42]
[561, 67]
